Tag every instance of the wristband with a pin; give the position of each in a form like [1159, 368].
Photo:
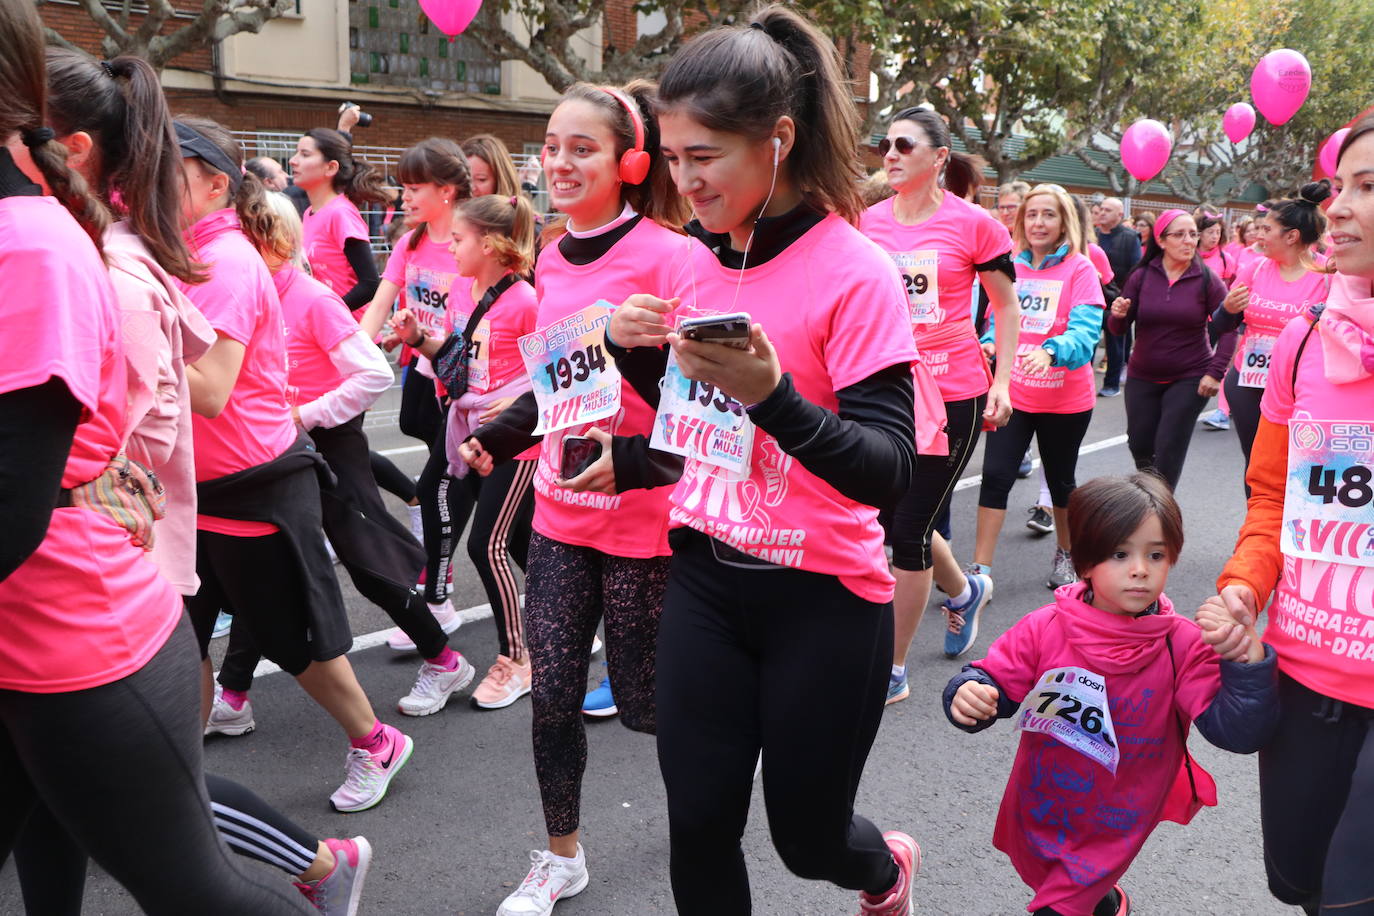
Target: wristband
[419, 341]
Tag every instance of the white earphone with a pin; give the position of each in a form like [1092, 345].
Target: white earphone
[777, 150]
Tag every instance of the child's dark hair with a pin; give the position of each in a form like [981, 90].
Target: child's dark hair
[1206, 218]
[437, 161]
[24, 84]
[494, 153]
[508, 225]
[961, 170]
[742, 79]
[257, 219]
[355, 179]
[121, 105]
[1106, 511]
[1303, 212]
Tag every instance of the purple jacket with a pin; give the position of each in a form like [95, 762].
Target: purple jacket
[1171, 324]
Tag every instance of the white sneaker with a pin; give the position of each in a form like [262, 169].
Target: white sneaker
[226, 720]
[433, 686]
[448, 619]
[550, 880]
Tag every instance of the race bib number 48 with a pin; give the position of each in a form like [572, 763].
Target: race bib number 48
[1070, 705]
[574, 380]
[1328, 502]
[921, 274]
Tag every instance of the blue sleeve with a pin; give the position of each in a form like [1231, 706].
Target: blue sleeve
[1006, 708]
[1243, 715]
[1074, 348]
[990, 335]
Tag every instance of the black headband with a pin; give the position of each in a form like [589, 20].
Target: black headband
[194, 144]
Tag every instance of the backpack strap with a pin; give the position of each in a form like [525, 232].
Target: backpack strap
[1314, 315]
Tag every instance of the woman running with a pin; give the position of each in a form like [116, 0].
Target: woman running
[941, 243]
[597, 555]
[1061, 301]
[1174, 368]
[1310, 471]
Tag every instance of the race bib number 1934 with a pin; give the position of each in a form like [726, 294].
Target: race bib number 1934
[574, 379]
[1070, 705]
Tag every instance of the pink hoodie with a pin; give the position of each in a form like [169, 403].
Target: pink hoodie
[1070, 827]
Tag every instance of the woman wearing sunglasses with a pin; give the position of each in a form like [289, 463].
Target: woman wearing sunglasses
[1174, 368]
[941, 243]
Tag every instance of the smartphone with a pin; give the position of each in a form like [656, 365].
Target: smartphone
[579, 453]
[727, 330]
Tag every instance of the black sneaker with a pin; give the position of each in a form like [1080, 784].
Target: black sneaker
[1041, 520]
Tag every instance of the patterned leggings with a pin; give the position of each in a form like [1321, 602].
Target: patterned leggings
[569, 589]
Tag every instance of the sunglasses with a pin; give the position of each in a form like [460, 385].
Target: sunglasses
[904, 145]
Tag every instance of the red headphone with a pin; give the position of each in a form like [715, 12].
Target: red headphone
[634, 163]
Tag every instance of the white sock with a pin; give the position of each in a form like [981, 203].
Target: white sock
[899, 670]
[963, 597]
[576, 860]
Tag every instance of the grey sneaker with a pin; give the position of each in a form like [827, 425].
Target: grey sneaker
[226, 720]
[339, 892]
[1063, 571]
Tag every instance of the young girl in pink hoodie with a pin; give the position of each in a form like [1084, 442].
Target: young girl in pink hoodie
[1103, 684]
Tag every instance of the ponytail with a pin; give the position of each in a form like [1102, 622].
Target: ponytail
[962, 173]
[357, 180]
[742, 79]
[257, 219]
[121, 105]
[508, 225]
[23, 84]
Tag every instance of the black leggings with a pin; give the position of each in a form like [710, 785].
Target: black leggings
[501, 506]
[1059, 436]
[391, 478]
[134, 798]
[420, 416]
[439, 501]
[1160, 417]
[740, 651]
[571, 589]
[1245, 412]
[932, 486]
[1317, 803]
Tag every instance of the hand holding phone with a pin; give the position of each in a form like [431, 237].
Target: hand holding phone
[579, 453]
[727, 330]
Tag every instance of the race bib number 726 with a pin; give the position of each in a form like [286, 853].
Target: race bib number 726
[1070, 705]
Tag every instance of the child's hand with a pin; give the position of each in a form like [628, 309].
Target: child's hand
[405, 325]
[973, 703]
[1229, 631]
[476, 457]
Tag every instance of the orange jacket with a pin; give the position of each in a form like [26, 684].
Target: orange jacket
[1257, 561]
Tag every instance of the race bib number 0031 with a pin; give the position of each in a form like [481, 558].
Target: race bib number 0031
[1328, 502]
[574, 380]
[1070, 705]
[697, 420]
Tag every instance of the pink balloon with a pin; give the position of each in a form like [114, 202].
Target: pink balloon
[1326, 159]
[1238, 121]
[1145, 148]
[451, 16]
[1280, 84]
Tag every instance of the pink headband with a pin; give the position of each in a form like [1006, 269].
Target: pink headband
[1165, 218]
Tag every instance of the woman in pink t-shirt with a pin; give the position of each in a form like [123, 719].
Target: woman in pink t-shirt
[1306, 541]
[1212, 244]
[95, 643]
[338, 246]
[259, 552]
[778, 566]
[941, 243]
[1270, 292]
[593, 556]
[1052, 382]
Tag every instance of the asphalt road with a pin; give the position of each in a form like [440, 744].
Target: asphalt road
[454, 835]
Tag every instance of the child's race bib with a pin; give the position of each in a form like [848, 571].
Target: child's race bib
[1070, 705]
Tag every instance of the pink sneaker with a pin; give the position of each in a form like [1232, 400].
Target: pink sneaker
[897, 901]
[506, 682]
[370, 775]
[339, 892]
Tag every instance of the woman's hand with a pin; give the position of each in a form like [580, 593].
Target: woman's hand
[404, 325]
[749, 376]
[1230, 628]
[989, 350]
[390, 341]
[1121, 307]
[1036, 362]
[600, 476]
[998, 411]
[494, 409]
[1236, 300]
[640, 321]
[476, 457]
[1209, 386]
[973, 703]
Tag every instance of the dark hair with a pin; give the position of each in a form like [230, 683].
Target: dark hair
[508, 222]
[1364, 125]
[437, 161]
[121, 105]
[1105, 511]
[494, 153]
[742, 79]
[1207, 217]
[355, 179]
[24, 85]
[1153, 251]
[1147, 216]
[257, 219]
[961, 170]
[256, 166]
[1303, 212]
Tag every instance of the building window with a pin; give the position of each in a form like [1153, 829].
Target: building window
[391, 43]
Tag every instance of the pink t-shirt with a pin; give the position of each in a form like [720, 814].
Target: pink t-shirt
[937, 259]
[1274, 302]
[1101, 262]
[324, 235]
[1069, 825]
[495, 351]
[317, 321]
[836, 312]
[1222, 263]
[427, 277]
[240, 302]
[1322, 616]
[1047, 297]
[634, 523]
[87, 607]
